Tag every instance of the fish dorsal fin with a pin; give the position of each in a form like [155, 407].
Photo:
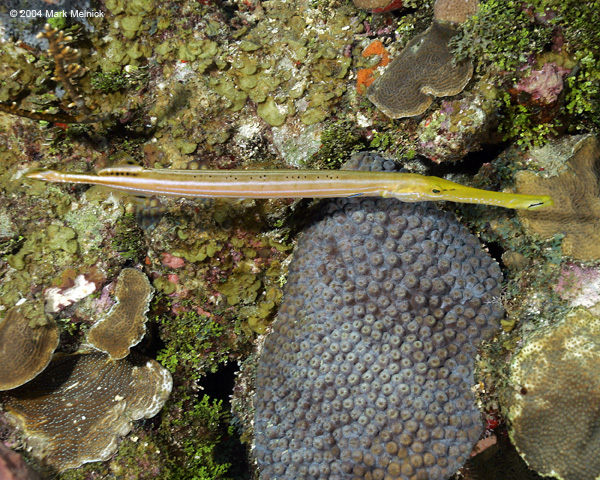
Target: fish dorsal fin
[121, 164]
[120, 169]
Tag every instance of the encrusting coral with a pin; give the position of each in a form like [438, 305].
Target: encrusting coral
[368, 370]
[576, 209]
[74, 412]
[553, 398]
[425, 68]
[124, 325]
[25, 350]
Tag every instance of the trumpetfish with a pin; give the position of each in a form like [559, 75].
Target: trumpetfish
[407, 187]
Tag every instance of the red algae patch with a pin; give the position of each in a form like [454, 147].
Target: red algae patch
[364, 77]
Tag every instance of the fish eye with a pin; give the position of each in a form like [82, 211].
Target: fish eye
[436, 190]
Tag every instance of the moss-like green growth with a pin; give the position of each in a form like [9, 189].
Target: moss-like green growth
[519, 124]
[128, 239]
[193, 344]
[506, 35]
[196, 430]
[193, 442]
[339, 141]
[503, 33]
[130, 77]
[109, 82]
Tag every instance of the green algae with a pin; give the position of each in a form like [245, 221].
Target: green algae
[193, 343]
[192, 441]
[199, 250]
[504, 36]
[339, 140]
[59, 240]
[271, 113]
[241, 286]
[260, 315]
[163, 285]
[128, 240]
[197, 425]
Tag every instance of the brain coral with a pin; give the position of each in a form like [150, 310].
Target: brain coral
[454, 11]
[124, 325]
[576, 209]
[368, 369]
[425, 67]
[555, 408]
[25, 350]
[75, 411]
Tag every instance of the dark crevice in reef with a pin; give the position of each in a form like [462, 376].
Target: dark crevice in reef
[219, 385]
[496, 251]
[470, 164]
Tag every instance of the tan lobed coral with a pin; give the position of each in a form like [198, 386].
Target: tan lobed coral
[454, 11]
[554, 399]
[124, 325]
[576, 209]
[25, 350]
[75, 412]
[423, 69]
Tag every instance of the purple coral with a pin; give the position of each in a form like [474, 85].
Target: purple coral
[369, 368]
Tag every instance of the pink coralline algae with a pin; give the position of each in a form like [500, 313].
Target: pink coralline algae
[454, 130]
[580, 286]
[544, 85]
[172, 261]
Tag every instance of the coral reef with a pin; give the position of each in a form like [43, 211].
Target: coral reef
[576, 194]
[456, 128]
[369, 367]
[514, 40]
[76, 410]
[553, 398]
[26, 347]
[425, 68]
[124, 325]
[544, 85]
[246, 84]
